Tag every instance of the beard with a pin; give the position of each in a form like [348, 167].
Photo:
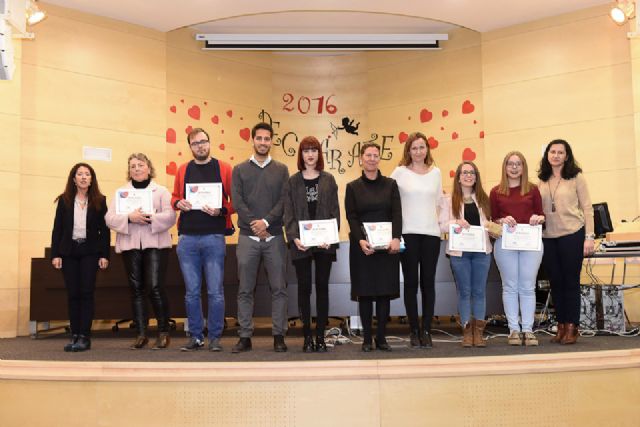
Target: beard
[202, 157]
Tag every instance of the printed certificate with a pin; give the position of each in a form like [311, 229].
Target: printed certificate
[130, 199]
[204, 194]
[522, 237]
[379, 234]
[471, 240]
[319, 232]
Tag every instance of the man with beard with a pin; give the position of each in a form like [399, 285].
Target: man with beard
[257, 191]
[201, 245]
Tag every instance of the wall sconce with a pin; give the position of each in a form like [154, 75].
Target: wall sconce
[622, 11]
[33, 12]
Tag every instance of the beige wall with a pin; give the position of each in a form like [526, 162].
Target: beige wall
[91, 81]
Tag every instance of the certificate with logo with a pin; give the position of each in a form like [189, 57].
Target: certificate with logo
[522, 237]
[379, 234]
[472, 239]
[319, 232]
[204, 194]
[130, 199]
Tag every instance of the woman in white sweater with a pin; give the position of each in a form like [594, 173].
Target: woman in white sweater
[420, 185]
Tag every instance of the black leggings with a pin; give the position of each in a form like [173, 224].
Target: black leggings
[422, 252]
[562, 261]
[303, 272]
[383, 307]
[79, 270]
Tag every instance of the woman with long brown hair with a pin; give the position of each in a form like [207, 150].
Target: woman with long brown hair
[79, 246]
[469, 206]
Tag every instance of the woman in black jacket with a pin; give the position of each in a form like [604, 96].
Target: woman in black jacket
[79, 245]
[311, 194]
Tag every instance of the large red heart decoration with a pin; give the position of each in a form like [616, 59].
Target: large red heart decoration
[468, 155]
[229, 113]
[402, 137]
[433, 143]
[215, 120]
[425, 115]
[194, 112]
[172, 168]
[245, 134]
[467, 107]
[171, 136]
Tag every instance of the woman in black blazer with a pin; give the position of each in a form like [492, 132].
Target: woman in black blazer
[311, 194]
[79, 245]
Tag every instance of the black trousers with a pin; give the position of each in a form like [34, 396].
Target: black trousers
[323, 263]
[562, 261]
[79, 271]
[421, 255]
[383, 308]
[146, 269]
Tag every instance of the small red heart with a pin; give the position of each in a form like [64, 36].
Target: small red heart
[231, 158]
[221, 130]
[215, 120]
[179, 153]
[441, 127]
[433, 143]
[454, 135]
[468, 155]
[221, 146]
[425, 115]
[475, 122]
[182, 101]
[205, 103]
[172, 168]
[188, 129]
[171, 136]
[402, 136]
[172, 108]
[241, 118]
[229, 113]
[194, 112]
[481, 134]
[445, 113]
[409, 118]
[452, 173]
[245, 134]
[467, 107]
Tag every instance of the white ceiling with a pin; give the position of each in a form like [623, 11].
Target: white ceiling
[291, 16]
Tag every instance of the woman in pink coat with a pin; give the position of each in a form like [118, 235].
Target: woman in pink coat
[144, 241]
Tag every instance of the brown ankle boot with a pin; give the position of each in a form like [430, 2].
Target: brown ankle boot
[467, 334]
[478, 331]
[162, 341]
[570, 334]
[560, 333]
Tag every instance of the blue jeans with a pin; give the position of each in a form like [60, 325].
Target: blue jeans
[470, 271]
[518, 270]
[197, 253]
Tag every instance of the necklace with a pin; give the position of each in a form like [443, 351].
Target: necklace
[467, 199]
[81, 203]
[553, 194]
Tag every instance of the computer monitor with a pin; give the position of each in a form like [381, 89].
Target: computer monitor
[601, 219]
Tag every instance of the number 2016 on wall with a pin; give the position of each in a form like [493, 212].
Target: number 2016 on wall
[304, 104]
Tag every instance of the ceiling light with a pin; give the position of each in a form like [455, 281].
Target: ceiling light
[34, 14]
[622, 10]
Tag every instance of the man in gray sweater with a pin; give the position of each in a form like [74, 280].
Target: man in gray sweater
[256, 190]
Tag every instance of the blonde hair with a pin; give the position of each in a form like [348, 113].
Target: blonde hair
[525, 184]
[143, 158]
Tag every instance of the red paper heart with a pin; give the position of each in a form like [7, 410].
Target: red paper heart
[402, 137]
[241, 118]
[206, 103]
[172, 108]
[409, 118]
[445, 113]
[467, 107]
[245, 134]
[468, 155]
[221, 130]
[172, 168]
[425, 115]
[171, 136]
[433, 143]
[221, 146]
[454, 135]
[441, 127]
[194, 112]
[179, 153]
[188, 129]
[475, 122]
[481, 134]
[215, 120]
[229, 113]
[452, 173]
[182, 101]
[231, 158]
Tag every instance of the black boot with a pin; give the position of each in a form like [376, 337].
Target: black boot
[308, 346]
[414, 339]
[69, 345]
[321, 346]
[83, 344]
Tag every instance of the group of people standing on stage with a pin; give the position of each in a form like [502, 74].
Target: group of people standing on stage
[270, 204]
